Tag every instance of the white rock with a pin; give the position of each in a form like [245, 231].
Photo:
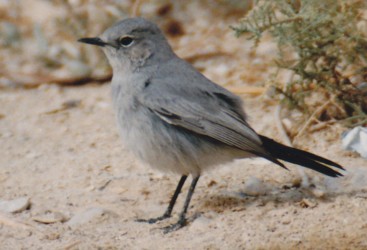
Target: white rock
[356, 140]
[15, 206]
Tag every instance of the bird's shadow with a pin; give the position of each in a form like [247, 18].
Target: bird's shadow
[237, 201]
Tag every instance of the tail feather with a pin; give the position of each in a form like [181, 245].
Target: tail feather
[300, 157]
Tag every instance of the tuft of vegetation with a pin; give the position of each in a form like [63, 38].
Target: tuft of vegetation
[324, 45]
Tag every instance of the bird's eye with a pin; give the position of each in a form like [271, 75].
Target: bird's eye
[126, 41]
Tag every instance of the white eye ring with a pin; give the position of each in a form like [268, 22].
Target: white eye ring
[126, 41]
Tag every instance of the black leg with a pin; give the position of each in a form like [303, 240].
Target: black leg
[182, 219]
[168, 212]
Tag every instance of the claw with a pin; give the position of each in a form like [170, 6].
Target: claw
[153, 220]
[174, 227]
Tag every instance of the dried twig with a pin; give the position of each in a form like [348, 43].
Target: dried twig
[321, 125]
[72, 245]
[280, 127]
[311, 119]
[247, 90]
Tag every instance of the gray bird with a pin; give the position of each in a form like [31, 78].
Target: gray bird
[177, 120]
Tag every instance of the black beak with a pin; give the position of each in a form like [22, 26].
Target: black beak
[94, 41]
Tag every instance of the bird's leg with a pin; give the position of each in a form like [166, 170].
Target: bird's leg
[182, 219]
[168, 212]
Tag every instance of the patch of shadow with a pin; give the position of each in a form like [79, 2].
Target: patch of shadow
[277, 197]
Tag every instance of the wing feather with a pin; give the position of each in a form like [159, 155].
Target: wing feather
[220, 124]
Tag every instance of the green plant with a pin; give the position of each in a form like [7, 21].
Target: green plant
[324, 44]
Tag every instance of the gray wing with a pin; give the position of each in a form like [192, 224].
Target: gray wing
[205, 114]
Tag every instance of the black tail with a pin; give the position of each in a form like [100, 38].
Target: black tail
[300, 157]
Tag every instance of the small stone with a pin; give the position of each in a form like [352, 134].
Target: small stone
[15, 206]
[306, 203]
[73, 103]
[212, 183]
[319, 193]
[49, 217]
[286, 222]
[255, 187]
[297, 182]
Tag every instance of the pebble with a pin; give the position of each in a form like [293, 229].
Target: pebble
[15, 206]
[255, 187]
[307, 203]
[319, 193]
[49, 217]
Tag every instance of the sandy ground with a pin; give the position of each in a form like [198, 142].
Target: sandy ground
[71, 162]
[60, 149]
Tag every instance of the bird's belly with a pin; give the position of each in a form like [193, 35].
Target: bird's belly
[142, 135]
[170, 148]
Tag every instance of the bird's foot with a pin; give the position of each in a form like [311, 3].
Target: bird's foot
[154, 220]
[174, 227]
